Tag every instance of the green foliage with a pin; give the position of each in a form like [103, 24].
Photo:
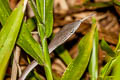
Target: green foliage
[106, 69]
[31, 24]
[8, 36]
[99, 4]
[76, 68]
[44, 16]
[25, 39]
[4, 11]
[117, 49]
[107, 48]
[116, 2]
[45, 11]
[93, 65]
[112, 65]
[27, 42]
[63, 54]
[116, 70]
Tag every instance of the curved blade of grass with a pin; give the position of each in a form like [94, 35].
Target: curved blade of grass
[93, 65]
[45, 11]
[4, 11]
[116, 70]
[76, 68]
[64, 55]
[106, 69]
[27, 42]
[107, 48]
[112, 64]
[117, 49]
[8, 35]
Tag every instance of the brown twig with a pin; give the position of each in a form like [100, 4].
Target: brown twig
[15, 62]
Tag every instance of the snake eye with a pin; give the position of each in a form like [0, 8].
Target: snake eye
[72, 31]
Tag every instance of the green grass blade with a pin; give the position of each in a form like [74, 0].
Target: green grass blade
[4, 11]
[76, 68]
[45, 10]
[116, 69]
[40, 24]
[64, 55]
[41, 30]
[48, 17]
[112, 65]
[27, 42]
[106, 69]
[33, 6]
[31, 24]
[93, 65]
[107, 48]
[99, 4]
[116, 2]
[40, 8]
[117, 49]
[47, 66]
[8, 36]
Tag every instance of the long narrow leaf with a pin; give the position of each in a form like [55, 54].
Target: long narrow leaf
[4, 11]
[116, 70]
[45, 10]
[76, 68]
[106, 69]
[93, 66]
[107, 48]
[9, 34]
[27, 42]
[112, 64]
[117, 49]
[64, 54]
[42, 29]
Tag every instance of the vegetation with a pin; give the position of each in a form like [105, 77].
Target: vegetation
[17, 28]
